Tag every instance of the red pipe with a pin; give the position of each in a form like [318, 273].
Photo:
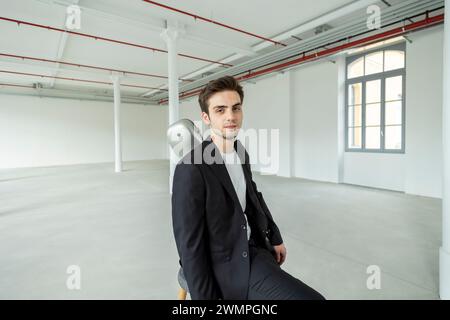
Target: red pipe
[86, 66]
[385, 35]
[19, 22]
[214, 22]
[427, 22]
[76, 79]
[15, 85]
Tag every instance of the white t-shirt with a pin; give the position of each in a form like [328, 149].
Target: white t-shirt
[236, 173]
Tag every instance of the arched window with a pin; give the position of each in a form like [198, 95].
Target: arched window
[375, 100]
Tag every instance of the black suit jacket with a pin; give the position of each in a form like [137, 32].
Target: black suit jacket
[209, 225]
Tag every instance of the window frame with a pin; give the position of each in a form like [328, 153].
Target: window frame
[363, 80]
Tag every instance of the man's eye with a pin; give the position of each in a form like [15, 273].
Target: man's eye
[237, 109]
[219, 110]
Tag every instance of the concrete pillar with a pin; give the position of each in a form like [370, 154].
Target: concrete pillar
[444, 252]
[341, 118]
[170, 36]
[117, 137]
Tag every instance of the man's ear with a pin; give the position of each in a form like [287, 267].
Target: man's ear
[205, 118]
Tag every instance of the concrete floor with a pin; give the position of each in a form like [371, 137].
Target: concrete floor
[117, 229]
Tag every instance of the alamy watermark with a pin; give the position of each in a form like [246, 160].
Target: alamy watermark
[73, 281]
[263, 147]
[374, 20]
[374, 279]
[73, 19]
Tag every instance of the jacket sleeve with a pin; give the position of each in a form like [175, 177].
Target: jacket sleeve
[274, 235]
[188, 218]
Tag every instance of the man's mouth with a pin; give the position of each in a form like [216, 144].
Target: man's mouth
[230, 127]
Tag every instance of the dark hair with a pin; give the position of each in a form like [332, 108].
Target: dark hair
[222, 84]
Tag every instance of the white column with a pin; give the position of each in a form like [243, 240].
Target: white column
[340, 118]
[292, 117]
[117, 137]
[170, 36]
[444, 252]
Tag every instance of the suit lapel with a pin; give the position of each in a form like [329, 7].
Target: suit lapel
[250, 191]
[221, 172]
[257, 213]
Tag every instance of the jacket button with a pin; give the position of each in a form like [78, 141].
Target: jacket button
[243, 227]
[244, 254]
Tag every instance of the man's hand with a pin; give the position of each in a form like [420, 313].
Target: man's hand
[280, 253]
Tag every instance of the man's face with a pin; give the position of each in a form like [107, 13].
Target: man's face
[225, 114]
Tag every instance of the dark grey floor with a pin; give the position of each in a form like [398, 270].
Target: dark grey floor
[117, 229]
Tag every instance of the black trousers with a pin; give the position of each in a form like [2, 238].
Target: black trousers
[269, 282]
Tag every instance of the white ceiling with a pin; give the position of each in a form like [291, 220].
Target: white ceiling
[139, 22]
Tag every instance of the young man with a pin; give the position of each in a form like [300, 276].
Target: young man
[228, 243]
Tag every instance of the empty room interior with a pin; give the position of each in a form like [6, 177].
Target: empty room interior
[346, 121]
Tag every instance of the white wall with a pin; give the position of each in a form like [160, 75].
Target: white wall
[385, 171]
[306, 105]
[419, 170]
[190, 109]
[295, 105]
[424, 113]
[316, 142]
[48, 132]
[316, 124]
[266, 107]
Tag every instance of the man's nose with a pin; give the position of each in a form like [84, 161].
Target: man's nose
[230, 115]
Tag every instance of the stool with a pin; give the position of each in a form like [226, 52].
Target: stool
[183, 285]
